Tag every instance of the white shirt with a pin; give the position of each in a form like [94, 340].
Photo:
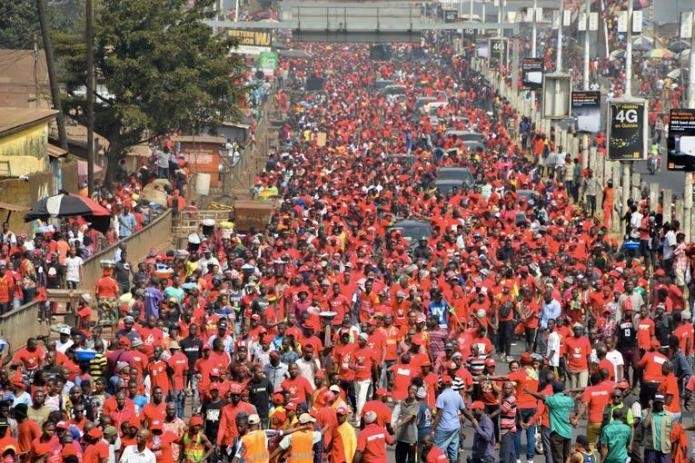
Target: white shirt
[554, 347]
[63, 347]
[669, 243]
[72, 268]
[307, 368]
[616, 358]
[131, 454]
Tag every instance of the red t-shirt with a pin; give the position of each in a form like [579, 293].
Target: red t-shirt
[577, 351]
[365, 358]
[371, 443]
[402, 375]
[525, 381]
[383, 412]
[596, 398]
[344, 358]
[95, 453]
[651, 362]
[436, 455]
[107, 287]
[670, 387]
[30, 360]
[299, 389]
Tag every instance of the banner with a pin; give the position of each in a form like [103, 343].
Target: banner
[498, 53]
[627, 130]
[268, 60]
[256, 38]
[586, 109]
[681, 140]
[532, 73]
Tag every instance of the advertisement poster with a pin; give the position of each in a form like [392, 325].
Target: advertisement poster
[627, 130]
[586, 109]
[681, 140]
[532, 73]
[498, 53]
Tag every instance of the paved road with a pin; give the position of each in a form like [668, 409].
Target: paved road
[675, 181]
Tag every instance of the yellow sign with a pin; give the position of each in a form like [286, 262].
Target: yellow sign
[26, 150]
[258, 38]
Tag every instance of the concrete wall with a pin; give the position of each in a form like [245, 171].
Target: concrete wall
[24, 193]
[157, 235]
[17, 325]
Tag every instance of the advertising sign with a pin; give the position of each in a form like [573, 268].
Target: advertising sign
[482, 49]
[627, 130]
[268, 60]
[498, 52]
[532, 73]
[681, 140]
[586, 109]
[251, 42]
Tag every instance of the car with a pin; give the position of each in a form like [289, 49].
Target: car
[412, 229]
[393, 90]
[466, 135]
[461, 174]
[383, 83]
[447, 186]
[402, 158]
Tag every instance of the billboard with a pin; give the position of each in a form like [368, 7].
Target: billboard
[586, 109]
[251, 42]
[627, 130]
[681, 140]
[498, 50]
[532, 73]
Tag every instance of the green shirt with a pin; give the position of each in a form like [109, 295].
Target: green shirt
[656, 419]
[616, 437]
[559, 408]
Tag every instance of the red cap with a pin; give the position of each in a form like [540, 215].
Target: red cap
[490, 362]
[477, 405]
[196, 420]
[69, 450]
[446, 379]
[526, 358]
[156, 425]
[95, 433]
[235, 389]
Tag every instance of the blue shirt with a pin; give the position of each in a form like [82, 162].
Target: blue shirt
[449, 403]
[550, 311]
[126, 225]
[153, 296]
[440, 310]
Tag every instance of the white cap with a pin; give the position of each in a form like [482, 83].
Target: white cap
[305, 418]
[64, 330]
[254, 419]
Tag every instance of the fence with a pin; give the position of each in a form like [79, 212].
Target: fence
[155, 235]
[627, 184]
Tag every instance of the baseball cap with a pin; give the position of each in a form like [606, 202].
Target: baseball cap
[196, 420]
[659, 398]
[477, 405]
[95, 433]
[254, 419]
[342, 410]
[305, 418]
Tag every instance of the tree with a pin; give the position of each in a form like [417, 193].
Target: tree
[159, 68]
[19, 23]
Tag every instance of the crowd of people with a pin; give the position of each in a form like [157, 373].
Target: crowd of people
[331, 337]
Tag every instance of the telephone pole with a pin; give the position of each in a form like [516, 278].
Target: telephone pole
[89, 32]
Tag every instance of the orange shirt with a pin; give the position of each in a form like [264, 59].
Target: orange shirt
[525, 380]
[364, 359]
[670, 387]
[596, 398]
[27, 431]
[651, 363]
[402, 374]
[577, 351]
[645, 331]
[95, 453]
[107, 287]
[371, 443]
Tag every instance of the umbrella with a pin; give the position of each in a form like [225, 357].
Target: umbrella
[69, 205]
[659, 53]
[615, 54]
[678, 46]
[675, 74]
[643, 43]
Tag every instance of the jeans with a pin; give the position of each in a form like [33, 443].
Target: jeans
[507, 452]
[545, 438]
[405, 452]
[179, 398]
[525, 414]
[591, 204]
[448, 441]
[654, 456]
[560, 447]
[361, 395]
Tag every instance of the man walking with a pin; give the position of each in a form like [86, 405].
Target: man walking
[447, 423]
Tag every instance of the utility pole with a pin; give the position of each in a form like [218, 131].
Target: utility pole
[89, 32]
[587, 45]
[50, 67]
[558, 63]
[534, 40]
[691, 80]
[628, 53]
[470, 12]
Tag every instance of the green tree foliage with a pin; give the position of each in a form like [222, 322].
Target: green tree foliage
[19, 21]
[159, 68]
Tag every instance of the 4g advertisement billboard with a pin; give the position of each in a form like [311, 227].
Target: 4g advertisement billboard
[627, 130]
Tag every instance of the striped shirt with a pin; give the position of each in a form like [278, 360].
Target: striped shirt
[508, 414]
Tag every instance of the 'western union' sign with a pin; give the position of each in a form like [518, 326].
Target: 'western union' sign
[251, 37]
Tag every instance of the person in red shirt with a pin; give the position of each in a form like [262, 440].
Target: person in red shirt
[577, 351]
[652, 375]
[297, 386]
[156, 409]
[7, 289]
[97, 450]
[378, 406]
[594, 399]
[645, 329]
[670, 390]
[228, 431]
[372, 440]
[158, 372]
[30, 357]
[178, 365]
[431, 453]
[525, 379]
[401, 376]
[160, 442]
[365, 367]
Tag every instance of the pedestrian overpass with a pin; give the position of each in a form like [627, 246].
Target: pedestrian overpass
[372, 21]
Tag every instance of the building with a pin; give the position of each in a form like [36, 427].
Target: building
[30, 167]
[24, 79]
